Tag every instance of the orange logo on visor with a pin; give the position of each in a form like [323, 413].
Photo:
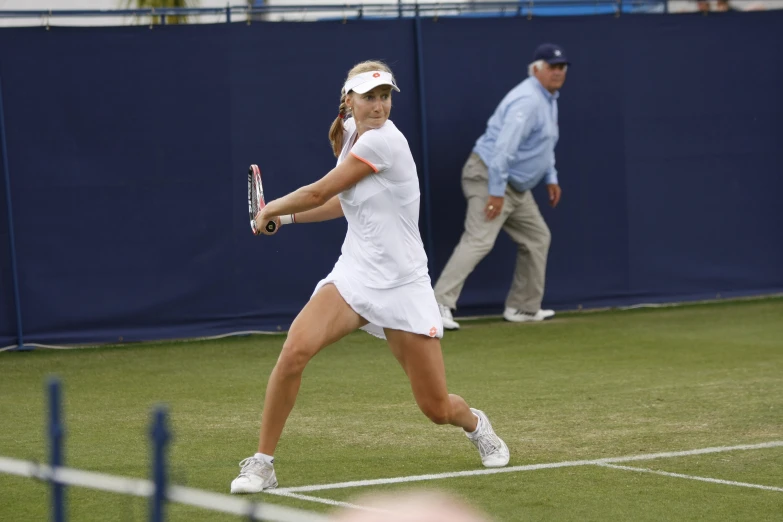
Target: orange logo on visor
[376, 75]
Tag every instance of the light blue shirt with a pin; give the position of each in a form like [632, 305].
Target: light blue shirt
[518, 146]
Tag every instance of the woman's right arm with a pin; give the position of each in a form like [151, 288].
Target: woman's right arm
[310, 197]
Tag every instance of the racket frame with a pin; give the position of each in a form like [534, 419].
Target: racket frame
[255, 198]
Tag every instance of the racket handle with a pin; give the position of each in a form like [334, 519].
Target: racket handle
[270, 227]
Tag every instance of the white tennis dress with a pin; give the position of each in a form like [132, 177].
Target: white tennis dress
[382, 272]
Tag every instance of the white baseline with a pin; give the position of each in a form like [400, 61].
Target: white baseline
[514, 469]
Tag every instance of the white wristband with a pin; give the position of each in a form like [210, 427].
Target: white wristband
[287, 220]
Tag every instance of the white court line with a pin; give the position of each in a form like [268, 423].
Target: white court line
[530, 467]
[692, 477]
[281, 493]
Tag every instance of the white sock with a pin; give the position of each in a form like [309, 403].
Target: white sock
[478, 427]
[264, 457]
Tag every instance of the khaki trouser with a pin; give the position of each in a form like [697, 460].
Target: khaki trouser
[521, 220]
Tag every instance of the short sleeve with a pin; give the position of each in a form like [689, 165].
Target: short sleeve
[372, 149]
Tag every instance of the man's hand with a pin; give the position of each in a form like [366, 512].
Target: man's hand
[493, 207]
[554, 194]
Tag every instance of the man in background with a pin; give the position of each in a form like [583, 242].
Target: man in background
[515, 154]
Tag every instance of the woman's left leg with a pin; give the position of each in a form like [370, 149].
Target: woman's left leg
[422, 360]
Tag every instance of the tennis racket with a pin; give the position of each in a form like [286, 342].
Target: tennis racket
[255, 198]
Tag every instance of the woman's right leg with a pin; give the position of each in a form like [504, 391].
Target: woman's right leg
[325, 319]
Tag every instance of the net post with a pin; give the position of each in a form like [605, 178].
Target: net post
[56, 433]
[160, 438]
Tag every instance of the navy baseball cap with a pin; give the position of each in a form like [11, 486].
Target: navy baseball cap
[550, 53]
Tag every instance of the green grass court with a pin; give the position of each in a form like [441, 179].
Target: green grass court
[584, 386]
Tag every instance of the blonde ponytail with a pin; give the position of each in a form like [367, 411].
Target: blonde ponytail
[337, 129]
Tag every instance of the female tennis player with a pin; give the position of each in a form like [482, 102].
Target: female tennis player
[380, 283]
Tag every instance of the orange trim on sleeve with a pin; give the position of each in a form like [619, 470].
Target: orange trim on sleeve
[373, 167]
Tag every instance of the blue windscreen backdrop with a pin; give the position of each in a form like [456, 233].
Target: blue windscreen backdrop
[128, 148]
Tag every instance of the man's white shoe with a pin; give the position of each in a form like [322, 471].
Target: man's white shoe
[254, 477]
[448, 320]
[494, 452]
[518, 316]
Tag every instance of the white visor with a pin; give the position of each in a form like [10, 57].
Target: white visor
[361, 83]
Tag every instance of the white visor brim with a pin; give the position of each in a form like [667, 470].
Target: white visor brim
[364, 82]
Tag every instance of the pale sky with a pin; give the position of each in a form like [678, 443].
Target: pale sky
[33, 5]
[674, 5]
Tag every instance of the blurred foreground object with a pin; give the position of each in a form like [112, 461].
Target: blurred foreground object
[419, 506]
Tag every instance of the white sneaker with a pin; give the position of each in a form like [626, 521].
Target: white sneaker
[448, 320]
[254, 477]
[494, 452]
[518, 316]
